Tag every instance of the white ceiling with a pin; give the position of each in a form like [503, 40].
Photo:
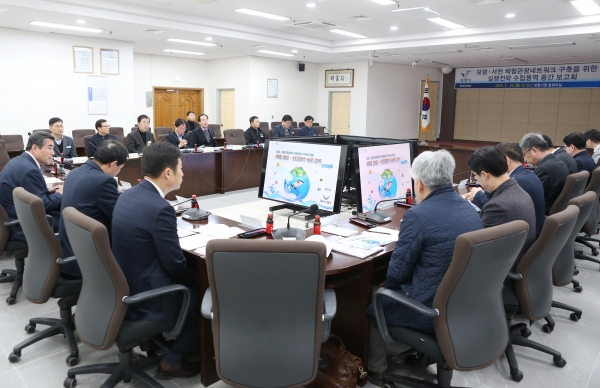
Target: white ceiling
[536, 21]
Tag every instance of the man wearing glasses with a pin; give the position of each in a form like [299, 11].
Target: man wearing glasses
[103, 134]
[62, 144]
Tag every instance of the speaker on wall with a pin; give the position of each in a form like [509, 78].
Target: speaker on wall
[301, 66]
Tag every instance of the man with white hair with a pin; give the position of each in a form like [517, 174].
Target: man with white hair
[424, 249]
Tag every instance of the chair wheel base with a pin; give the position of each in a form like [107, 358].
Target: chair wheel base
[72, 360]
[594, 252]
[559, 362]
[576, 272]
[525, 333]
[578, 288]
[547, 328]
[127, 380]
[11, 300]
[575, 317]
[516, 376]
[389, 385]
[14, 357]
[70, 382]
[30, 328]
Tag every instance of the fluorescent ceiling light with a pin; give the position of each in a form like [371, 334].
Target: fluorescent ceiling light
[191, 42]
[183, 52]
[208, 38]
[294, 51]
[393, 28]
[351, 34]
[261, 14]
[276, 53]
[311, 5]
[437, 52]
[427, 10]
[65, 27]
[510, 15]
[541, 45]
[586, 7]
[384, 2]
[80, 21]
[446, 23]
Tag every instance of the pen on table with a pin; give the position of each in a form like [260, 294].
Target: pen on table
[372, 231]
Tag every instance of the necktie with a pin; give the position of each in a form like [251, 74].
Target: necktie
[206, 135]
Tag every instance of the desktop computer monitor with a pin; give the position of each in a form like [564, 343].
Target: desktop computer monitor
[302, 174]
[307, 139]
[382, 172]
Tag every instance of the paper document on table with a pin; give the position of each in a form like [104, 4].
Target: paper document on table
[195, 241]
[251, 222]
[321, 239]
[201, 251]
[184, 205]
[367, 240]
[125, 185]
[381, 230]
[329, 220]
[219, 230]
[339, 231]
[234, 147]
[353, 251]
[52, 180]
[184, 232]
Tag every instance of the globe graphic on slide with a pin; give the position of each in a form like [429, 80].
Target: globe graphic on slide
[389, 187]
[298, 186]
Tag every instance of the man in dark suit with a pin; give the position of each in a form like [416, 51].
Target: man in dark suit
[575, 146]
[140, 138]
[146, 245]
[525, 178]
[285, 128]
[307, 129]
[592, 141]
[101, 135]
[26, 171]
[191, 123]
[551, 171]
[178, 137]
[561, 155]
[92, 189]
[203, 136]
[62, 144]
[254, 134]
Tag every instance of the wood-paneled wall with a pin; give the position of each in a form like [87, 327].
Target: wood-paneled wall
[508, 114]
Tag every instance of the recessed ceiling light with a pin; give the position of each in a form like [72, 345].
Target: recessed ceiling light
[208, 38]
[261, 14]
[65, 27]
[275, 53]
[393, 28]
[80, 21]
[510, 15]
[182, 52]
[586, 7]
[191, 42]
[294, 51]
[415, 10]
[447, 23]
[384, 2]
[311, 5]
[542, 45]
[351, 34]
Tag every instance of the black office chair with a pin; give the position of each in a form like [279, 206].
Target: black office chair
[590, 227]
[468, 314]
[269, 310]
[103, 303]
[574, 186]
[234, 136]
[20, 252]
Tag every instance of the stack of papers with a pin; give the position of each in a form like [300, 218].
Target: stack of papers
[51, 181]
[352, 251]
[331, 229]
[366, 243]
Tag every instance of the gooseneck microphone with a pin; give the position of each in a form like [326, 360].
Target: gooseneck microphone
[379, 216]
[294, 233]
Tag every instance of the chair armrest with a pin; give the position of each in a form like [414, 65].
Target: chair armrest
[185, 306]
[50, 220]
[514, 276]
[330, 305]
[65, 260]
[206, 307]
[11, 223]
[400, 298]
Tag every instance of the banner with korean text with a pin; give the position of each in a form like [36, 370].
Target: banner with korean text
[572, 75]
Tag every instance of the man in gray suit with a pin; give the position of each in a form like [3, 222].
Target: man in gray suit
[62, 144]
[561, 154]
[592, 140]
[140, 138]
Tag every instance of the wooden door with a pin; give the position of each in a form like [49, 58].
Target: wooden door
[227, 109]
[340, 113]
[172, 104]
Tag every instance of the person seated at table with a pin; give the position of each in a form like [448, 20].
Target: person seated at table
[561, 155]
[285, 128]
[575, 146]
[140, 138]
[551, 171]
[26, 171]
[101, 135]
[63, 144]
[92, 189]
[146, 246]
[592, 141]
[525, 178]
[307, 129]
[254, 134]
[424, 249]
[178, 137]
[191, 123]
[203, 136]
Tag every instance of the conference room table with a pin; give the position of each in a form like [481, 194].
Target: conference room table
[352, 279]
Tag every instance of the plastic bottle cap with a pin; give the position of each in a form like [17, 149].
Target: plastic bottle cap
[270, 214]
[317, 217]
[193, 197]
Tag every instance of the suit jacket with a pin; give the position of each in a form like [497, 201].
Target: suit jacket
[135, 143]
[279, 131]
[553, 174]
[585, 162]
[252, 136]
[22, 171]
[532, 186]
[173, 139]
[566, 159]
[190, 126]
[197, 137]
[146, 245]
[95, 141]
[304, 131]
[69, 149]
[92, 192]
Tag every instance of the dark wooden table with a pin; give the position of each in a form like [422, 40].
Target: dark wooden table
[351, 278]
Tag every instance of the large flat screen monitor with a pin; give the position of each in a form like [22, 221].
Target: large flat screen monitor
[303, 174]
[382, 172]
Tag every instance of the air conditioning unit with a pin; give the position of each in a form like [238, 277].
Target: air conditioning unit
[314, 25]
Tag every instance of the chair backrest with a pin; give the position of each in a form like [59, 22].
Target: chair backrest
[41, 130]
[534, 290]
[124, 141]
[591, 225]
[270, 133]
[4, 230]
[574, 186]
[264, 126]
[117, 131]
[85, 142]
[295, 131]
[100, 308]
[133, 128]
[162, 137]
[4, 157]
[13, 142]
[42, 272]
[315, 124]
[564, 265]
[261, 287]
[234, 136]
[216, 128]
[275, 123]
[295, 124]
[320, 130]
[79, 134]
[471, 326]
[162, 130]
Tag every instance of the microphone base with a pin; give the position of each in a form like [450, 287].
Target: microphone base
[378, 217]
[195, 214]
[288, 233]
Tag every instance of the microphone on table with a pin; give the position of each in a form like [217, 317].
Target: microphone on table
[295, 233]
[379, 216]
[194, 213]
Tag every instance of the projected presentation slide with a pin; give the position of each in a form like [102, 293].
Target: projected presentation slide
[384, 173]
[302, 174]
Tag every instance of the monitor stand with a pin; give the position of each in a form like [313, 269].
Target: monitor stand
[298, 209]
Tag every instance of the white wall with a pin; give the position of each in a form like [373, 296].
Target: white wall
[395, 97]
[37, 82]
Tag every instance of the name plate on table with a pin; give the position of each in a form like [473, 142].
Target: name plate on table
[234, 147]
[134, 155]
[80, 160]
[208, 149]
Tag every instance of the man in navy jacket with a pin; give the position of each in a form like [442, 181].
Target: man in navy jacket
[103, 134]
[561, 155]
[285, 128]
[575, 146]
[178, 137]
[26, 171]
[307, 129]
[146, 246]
[92, 189]
[202, 136]
[424, 248]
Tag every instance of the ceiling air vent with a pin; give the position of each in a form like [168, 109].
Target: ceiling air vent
[314, 25]
[359, 18]
[151, 31]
